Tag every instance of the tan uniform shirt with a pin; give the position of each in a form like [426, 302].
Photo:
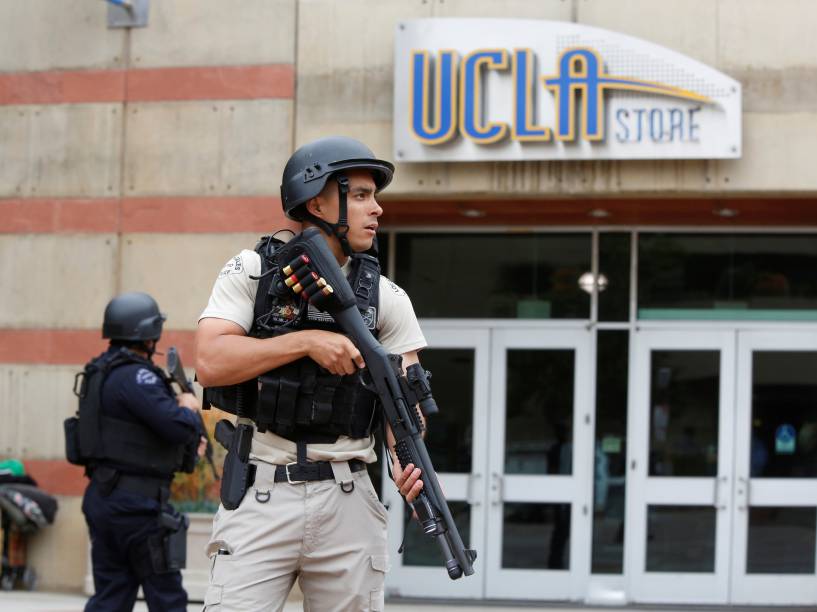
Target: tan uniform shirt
[233, 299]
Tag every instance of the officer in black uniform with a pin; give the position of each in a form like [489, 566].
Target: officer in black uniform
[132, 434]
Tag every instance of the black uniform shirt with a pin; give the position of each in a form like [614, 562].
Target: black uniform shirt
[133, 392]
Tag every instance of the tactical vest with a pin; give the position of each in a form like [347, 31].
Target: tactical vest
[301, 401]
[94, 438]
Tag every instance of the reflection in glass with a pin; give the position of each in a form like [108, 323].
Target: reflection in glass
[610, 451]
[449, 431]
[504, 276]
[614, 263]
[732, 272]
[784, 414]
[781, 540]
[421, 549]
[680, 539]
[539, 411]
[536, 536]
[684, 400]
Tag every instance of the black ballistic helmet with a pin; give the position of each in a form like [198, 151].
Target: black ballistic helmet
[309, 168]
[132, 316]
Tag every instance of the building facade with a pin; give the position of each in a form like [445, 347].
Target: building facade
[624, 349]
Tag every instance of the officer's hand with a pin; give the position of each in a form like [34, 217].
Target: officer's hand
[202, 447]
[190, 401]
[334, 352]
[408, 480]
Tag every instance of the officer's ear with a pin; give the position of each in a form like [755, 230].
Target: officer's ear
[313, 207]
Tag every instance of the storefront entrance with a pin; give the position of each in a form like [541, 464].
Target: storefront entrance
[519, 477]
[722, 503]
[626, 416]
[721, 500]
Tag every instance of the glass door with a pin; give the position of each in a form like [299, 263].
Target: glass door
[458, 361]
[775, 524]
[680, 466]
[540, 475]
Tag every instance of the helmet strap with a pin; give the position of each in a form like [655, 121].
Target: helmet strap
[341, 228]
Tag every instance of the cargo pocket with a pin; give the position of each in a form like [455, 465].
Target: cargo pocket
[219, 566]
[380, 565]
[212, 598]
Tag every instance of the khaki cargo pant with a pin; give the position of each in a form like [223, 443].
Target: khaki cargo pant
[333, 542]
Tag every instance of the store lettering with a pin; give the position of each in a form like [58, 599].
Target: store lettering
[657, 124]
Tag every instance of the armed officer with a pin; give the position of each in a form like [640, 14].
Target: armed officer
[305, 507]
[132, 433]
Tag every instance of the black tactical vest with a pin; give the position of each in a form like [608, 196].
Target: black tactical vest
[301, 401]
[93, 438]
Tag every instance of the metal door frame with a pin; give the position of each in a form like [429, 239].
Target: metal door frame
[643, 490]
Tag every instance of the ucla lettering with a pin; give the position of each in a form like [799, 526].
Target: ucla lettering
[453, 100]
[524, 79]
[472, 120]
[433, 109]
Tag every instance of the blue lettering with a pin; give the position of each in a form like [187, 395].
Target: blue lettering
[433, 108]
[639, 113]
[524, 126]
[676, 124]
[472, 120]
[579, 71]
[693, 127]
[656, 125]
[656, 133]
[623, 135]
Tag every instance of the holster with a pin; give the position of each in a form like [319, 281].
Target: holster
[175, 541]
[238, 473]
[105, 478]
[165, 551]
[72, 453]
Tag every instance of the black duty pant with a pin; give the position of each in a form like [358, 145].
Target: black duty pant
[118, 524]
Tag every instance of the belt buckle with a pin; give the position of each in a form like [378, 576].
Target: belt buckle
[289, 478]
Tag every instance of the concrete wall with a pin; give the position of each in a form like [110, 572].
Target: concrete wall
[107, 185]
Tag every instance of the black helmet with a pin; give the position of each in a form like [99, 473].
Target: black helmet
[132, 316]
[309, 168]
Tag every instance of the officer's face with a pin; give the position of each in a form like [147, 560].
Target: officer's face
[362, 208]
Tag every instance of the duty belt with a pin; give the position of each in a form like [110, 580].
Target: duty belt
[153, 488]
[295, 473]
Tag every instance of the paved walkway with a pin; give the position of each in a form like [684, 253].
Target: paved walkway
[20, 601]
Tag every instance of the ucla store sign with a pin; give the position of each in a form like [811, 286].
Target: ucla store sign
[510, 89]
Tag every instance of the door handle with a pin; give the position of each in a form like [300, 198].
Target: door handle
[745, 483]
[474, 494]
[716, 496]
[497, 486]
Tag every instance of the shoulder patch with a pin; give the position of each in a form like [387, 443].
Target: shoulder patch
[146, 377]
[234, 266]
[397, 290]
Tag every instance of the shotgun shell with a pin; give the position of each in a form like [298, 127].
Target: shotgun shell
[294, 266]
[289, 282]
[317, 297]
[306, 282]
